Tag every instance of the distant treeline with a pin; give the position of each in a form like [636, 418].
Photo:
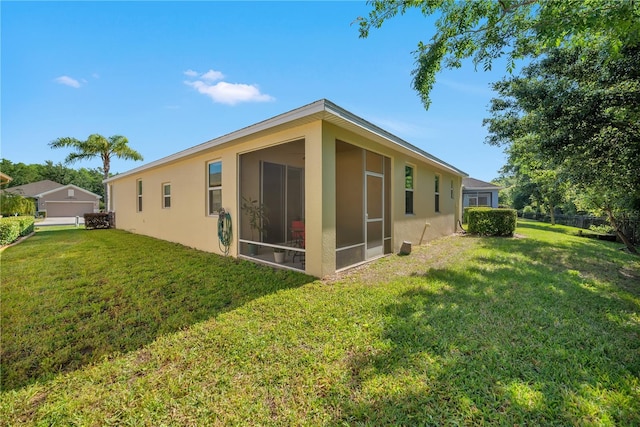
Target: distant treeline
[89, 179]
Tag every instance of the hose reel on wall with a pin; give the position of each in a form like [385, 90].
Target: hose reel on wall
[225, 231]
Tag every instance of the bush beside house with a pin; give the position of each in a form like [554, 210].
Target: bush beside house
[12, 228]
[99, 220]
[11, 204]
[491, 222]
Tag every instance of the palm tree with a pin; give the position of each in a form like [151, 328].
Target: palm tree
[98, 146]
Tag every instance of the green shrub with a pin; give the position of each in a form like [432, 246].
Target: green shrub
[27, 224]
[11, 204]
[491, 222]
[13, 227]
[9, 231]
[98, 220]
[602, 229]
[465, 216]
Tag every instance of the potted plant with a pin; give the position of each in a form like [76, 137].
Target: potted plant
[278, 255]
[258, 220]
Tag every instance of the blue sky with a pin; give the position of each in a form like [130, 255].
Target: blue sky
[171, 75]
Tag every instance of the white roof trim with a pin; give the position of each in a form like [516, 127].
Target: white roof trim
[495, 188]
[68, 186]
[321, 107]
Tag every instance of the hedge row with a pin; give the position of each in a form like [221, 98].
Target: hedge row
[13, 227]
[491, 222]
[465, 215]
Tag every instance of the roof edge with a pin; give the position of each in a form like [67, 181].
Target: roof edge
[320, 106]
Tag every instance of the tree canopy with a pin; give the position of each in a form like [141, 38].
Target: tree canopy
[89, 179]
[98, 146]
[576, 112]
[485, 30]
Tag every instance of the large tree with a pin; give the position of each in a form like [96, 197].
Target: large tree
[543, 177]
[89, 179]
[579, 109]
[96, 145]
[488, 29]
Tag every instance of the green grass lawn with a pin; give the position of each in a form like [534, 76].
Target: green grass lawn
[543, 329]
[72, 296]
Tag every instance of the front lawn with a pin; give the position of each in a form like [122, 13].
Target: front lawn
[538, 330]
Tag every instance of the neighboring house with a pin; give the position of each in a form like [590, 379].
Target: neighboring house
[356, 190]
[479, 193]
[59, 200]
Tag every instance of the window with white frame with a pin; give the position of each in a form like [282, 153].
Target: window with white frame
[478, 199]
[139, 193]
[437, 193]
[408, 189]
[166, 195]
[214, 194]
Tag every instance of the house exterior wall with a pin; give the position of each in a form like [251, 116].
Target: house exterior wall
[60, 203]
[63, 195]
[187, 221]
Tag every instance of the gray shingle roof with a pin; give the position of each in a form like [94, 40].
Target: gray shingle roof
[476, 184]
[35, 188]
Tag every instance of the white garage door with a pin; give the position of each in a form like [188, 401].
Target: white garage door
[56, 209]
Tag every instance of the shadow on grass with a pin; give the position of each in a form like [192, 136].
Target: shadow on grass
[526, 333]
[72, 297]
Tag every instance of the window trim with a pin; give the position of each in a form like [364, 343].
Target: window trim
[213, 188]
[139, 193]
[436, 201]
[165, 196]
[411, 190]
[451, 189]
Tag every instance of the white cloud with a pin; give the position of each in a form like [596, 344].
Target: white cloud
[223, 92]
[68, 81]
[213, 75]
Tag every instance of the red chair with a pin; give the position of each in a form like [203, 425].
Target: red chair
[299, 239]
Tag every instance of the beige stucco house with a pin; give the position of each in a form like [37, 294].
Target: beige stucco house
[337, 191]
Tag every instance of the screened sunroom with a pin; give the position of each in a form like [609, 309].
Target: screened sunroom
[363, 205]
[272, 226]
